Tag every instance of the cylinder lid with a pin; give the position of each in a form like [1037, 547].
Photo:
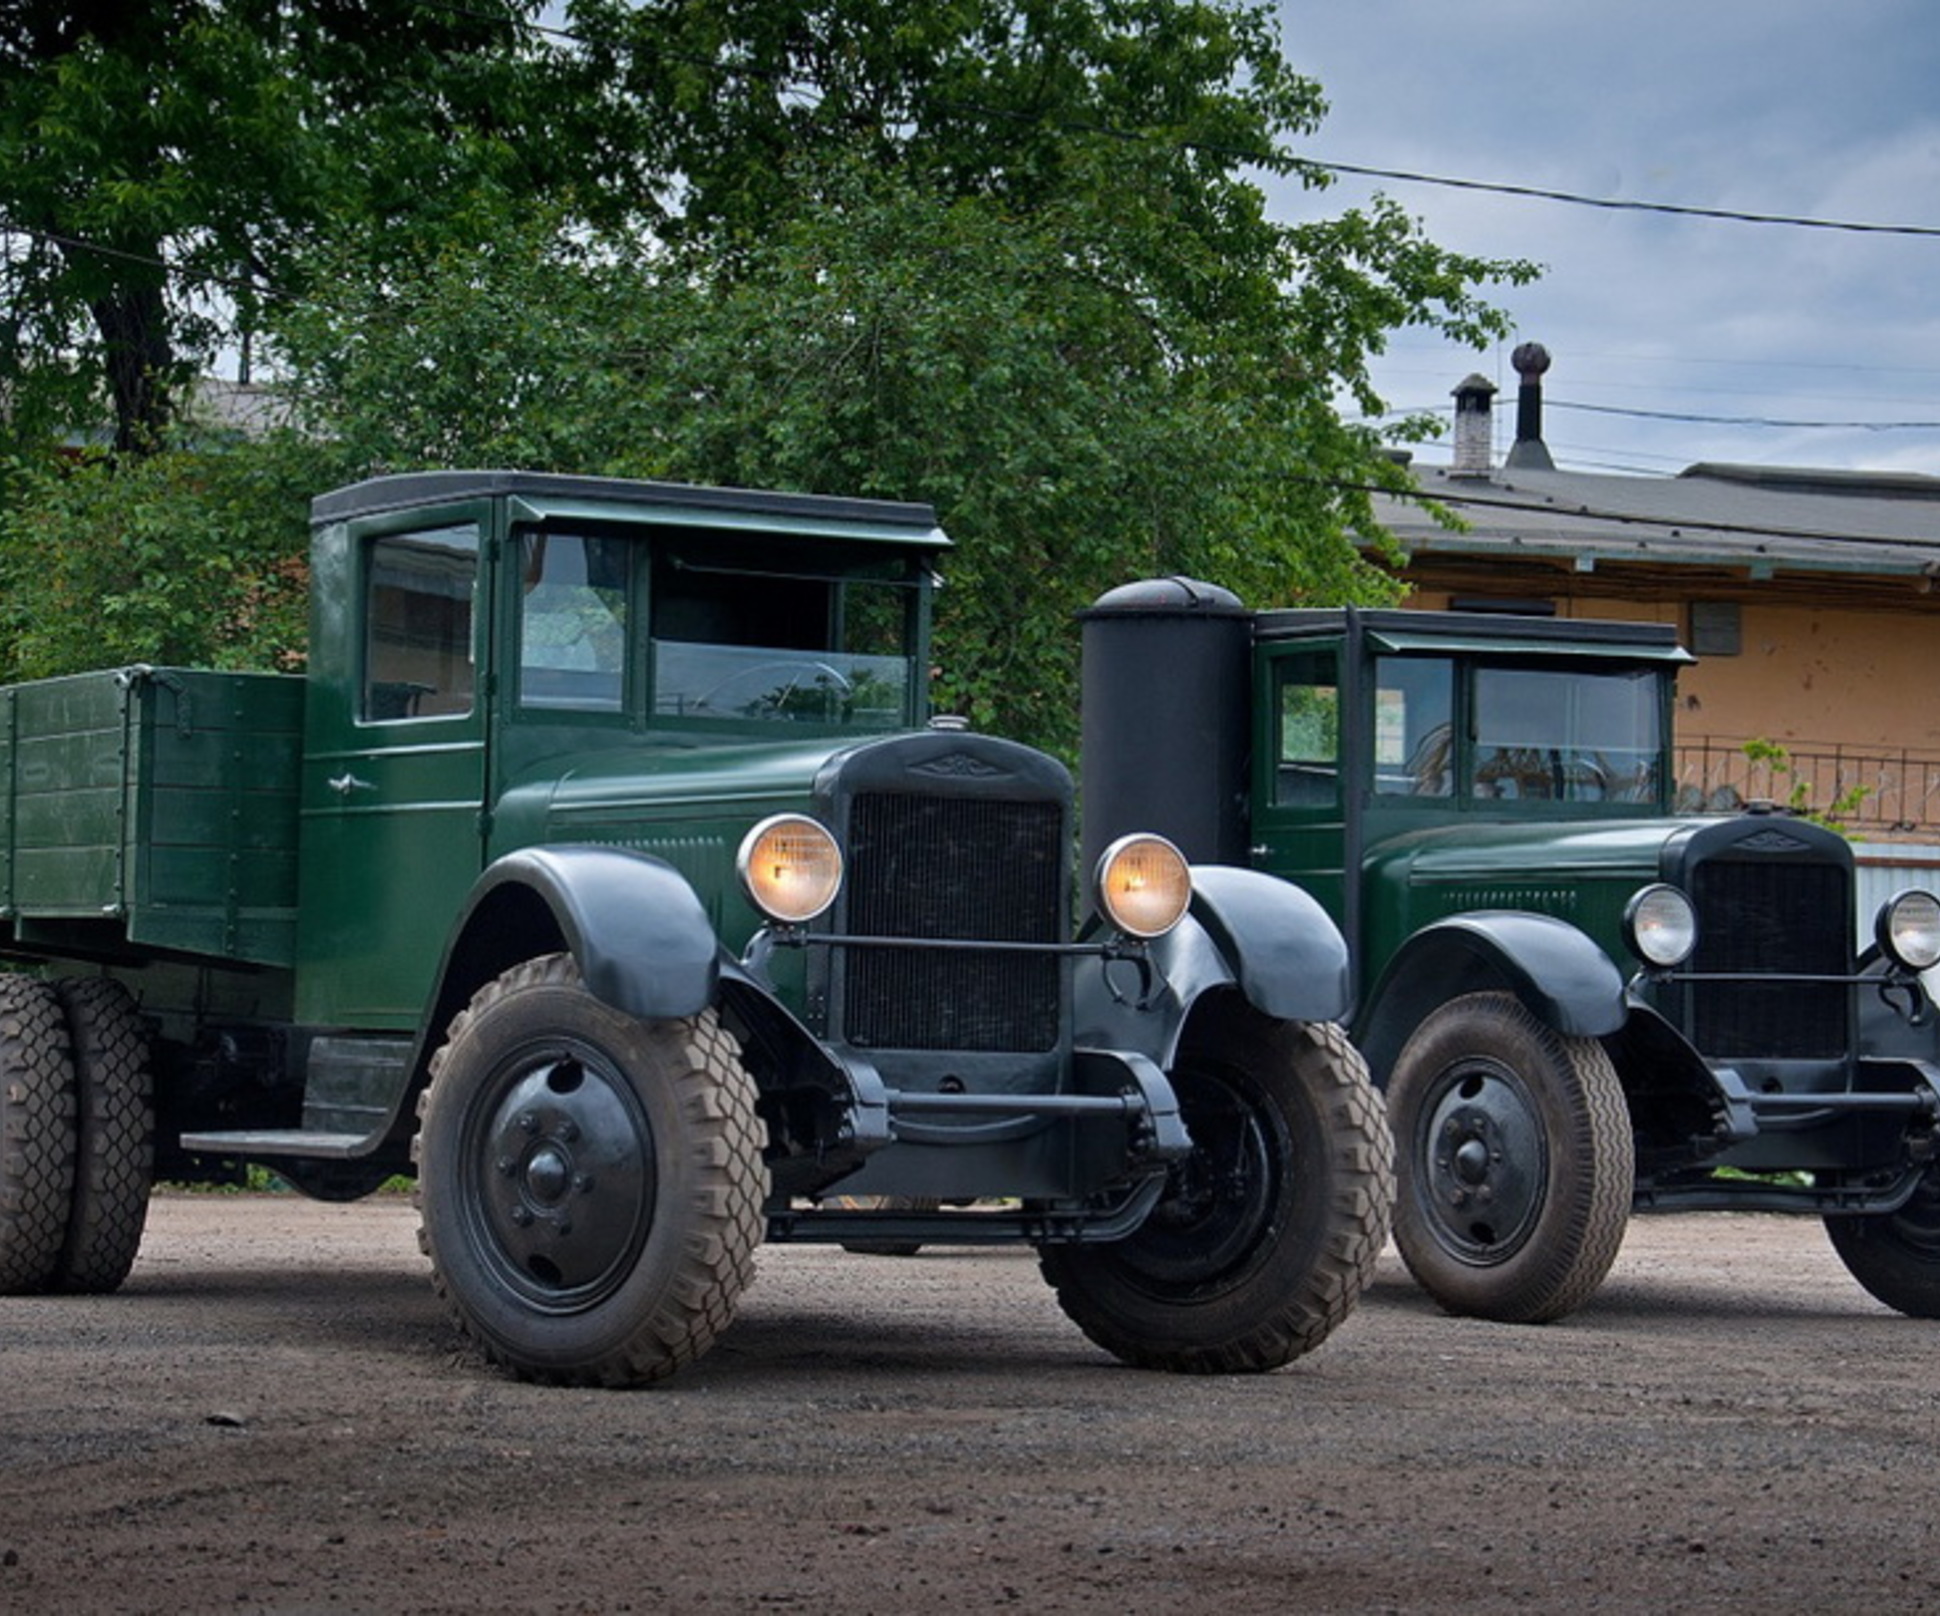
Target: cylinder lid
[1167, 597]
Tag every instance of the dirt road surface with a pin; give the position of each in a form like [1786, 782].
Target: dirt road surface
[273, 1415]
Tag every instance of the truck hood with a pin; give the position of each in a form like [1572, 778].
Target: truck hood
[1508, 852]
[617, 794]
[1584, 873]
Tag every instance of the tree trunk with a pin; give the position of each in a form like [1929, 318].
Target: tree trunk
[139, 361]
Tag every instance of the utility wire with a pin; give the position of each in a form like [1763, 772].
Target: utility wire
[1271, 159]
[1630, 413]
[1267, 159]
[1747, 420]
[1624, 204]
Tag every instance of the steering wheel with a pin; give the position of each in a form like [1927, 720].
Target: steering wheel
[784, 676]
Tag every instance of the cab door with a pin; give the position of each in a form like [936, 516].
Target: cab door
[395, 766]
[1301, 769]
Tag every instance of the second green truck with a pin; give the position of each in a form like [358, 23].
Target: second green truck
[1578, 1002]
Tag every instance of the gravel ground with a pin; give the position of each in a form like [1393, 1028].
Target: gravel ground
[274, 1415]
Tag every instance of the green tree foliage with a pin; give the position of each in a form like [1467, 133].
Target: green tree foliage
[1004, 257]
[165, 165]
[192, 558]
[1074, 426]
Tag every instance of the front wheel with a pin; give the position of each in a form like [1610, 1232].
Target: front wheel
[1896, 1255]
[590, 1185]
[1516, 1161]
[1269, 1229]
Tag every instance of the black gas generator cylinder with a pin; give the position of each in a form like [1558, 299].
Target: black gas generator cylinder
[1165, 727]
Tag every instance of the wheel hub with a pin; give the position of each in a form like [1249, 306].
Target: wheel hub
[1472, 1161]
[1485, 1166]
[568, 1192]
[547, 1174]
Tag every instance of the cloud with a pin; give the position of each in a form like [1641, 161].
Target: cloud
[1766, 106]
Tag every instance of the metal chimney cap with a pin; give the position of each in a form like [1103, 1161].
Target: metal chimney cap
[1531, 359]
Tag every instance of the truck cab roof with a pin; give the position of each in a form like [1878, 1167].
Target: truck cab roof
[537, 496]
[1457, 633]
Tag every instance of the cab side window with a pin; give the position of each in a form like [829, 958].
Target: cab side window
[1306, 710]
[573, 621]
[1414, 731]
[419, 590]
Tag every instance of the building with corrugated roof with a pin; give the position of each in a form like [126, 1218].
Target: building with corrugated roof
[1808, 597]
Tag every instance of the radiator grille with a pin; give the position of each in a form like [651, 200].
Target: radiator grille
[955, 868]
[1781, 918]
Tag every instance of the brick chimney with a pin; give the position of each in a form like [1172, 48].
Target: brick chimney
[1530, 453]
[1473, 428]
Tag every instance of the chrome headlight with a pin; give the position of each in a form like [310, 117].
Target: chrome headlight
[1907, 929]
[1660, 926]
[1143, 885]
[790, 868]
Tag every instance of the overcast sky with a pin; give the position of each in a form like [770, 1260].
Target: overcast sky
[1806, 108]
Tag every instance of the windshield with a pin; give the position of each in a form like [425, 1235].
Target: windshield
[1567, 736]
[779, 647]
[737, 628]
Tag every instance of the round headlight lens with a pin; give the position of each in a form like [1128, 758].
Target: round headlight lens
[1660, 926]
[1908, 929]
[1143, 885]
[790, 868]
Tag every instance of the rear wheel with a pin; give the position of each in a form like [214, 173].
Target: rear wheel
[115, 1156]
[1516, 1161]
[1269, 1229]
[1896, 1255]
[37, 1134]
[591, 1186]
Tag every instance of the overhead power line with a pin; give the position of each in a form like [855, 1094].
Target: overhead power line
[1267, 159]
[1747, 420]
[1624, 204]
[1238, 154]
[1695, 418]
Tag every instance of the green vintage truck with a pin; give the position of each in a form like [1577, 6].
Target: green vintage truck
[605, 873]
[1577, 1002]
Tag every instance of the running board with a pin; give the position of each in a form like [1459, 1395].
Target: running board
[256, 1142]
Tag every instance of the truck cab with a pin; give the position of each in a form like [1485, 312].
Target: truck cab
[607, 873]
[1579, 1002]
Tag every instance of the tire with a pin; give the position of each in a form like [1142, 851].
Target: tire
[114, 1166]
[1268, 1232]
[1896, 1255]
[37, 1135]
[1516, 1161]
[590, 1186]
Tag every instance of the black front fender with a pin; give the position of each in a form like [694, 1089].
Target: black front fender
[1245, 930]
[1564, 978]
[642, 939]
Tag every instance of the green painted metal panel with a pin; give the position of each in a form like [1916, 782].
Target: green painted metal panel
[788, 524]
[162, 799]
[1507, 644]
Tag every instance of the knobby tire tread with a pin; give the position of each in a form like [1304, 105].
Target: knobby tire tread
[725, 1142]
[37, 1134]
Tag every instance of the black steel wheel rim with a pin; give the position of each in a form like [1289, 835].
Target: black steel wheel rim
[1219, 1201]
[1482, 1162]
[1918, 1222]
[557, 1177]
